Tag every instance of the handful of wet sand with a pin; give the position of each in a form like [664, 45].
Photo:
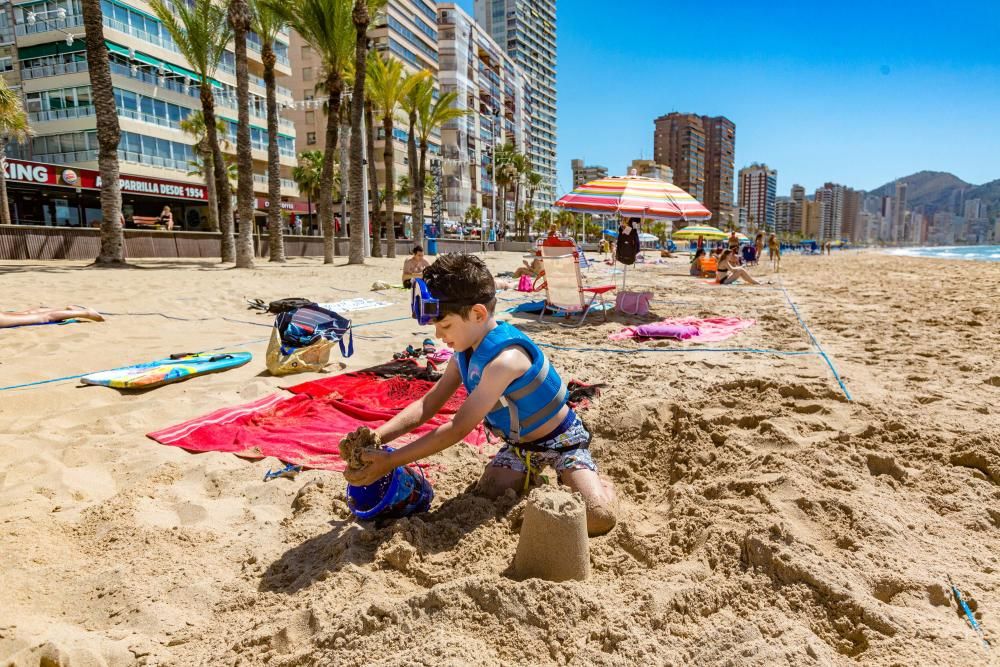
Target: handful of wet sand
[553, 543]
[355, 443]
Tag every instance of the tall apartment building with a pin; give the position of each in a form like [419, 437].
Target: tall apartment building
[853, 203]
[720, 163]
[783, 208]
[54, 175]
[701, 151]
[491, 86]
[526, 30]
[758, 189]
[407, 31]
[584, 173]
[650, 169]
[679, 141]
[899, 214]
[797, 223]
[830, 199]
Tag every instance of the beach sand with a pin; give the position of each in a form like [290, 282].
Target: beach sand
[765, 518]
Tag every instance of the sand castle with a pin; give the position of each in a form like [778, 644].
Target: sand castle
[554, 543]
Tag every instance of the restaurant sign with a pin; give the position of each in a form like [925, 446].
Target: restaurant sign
[22, 171]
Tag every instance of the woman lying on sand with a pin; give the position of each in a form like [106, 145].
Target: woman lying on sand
[728, 271]
[17, 318]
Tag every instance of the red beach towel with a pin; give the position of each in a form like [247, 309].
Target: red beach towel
[306, 428]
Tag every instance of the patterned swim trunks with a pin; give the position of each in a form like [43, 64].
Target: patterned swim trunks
[511, 458]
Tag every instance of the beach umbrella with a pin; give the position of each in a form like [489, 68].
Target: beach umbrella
[636, 196]
[692, 232]
[743, 238]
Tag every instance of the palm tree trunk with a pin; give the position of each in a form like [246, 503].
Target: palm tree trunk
[276, 243]
[239, 18]
[417, 221]
[213, 196]
[222, 190]
[376, 206]
[418, 190]
[4, 204]
[358, 195]
[334, 86]
[389, 158]
[112, 251]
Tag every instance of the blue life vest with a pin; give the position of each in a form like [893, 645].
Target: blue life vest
[529, 401]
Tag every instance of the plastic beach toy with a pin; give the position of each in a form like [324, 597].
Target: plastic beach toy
[403, 492]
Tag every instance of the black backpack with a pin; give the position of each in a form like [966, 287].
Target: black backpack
[279, 306]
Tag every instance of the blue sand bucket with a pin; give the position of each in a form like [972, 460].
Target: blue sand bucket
[404, 492]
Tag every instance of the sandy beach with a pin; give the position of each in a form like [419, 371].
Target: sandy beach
[766, 519]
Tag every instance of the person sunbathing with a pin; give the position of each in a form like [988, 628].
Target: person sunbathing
[19, 318]
[728, 270]
[414, 266]
[532, 270]
[696, 263]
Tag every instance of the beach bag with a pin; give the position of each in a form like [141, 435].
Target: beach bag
[303, 338]
[279, 306]
[525, 284]
[633, 303]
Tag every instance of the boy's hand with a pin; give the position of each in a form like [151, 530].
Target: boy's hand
[379, 464]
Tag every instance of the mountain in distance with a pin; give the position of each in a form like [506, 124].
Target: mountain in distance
[943, 191]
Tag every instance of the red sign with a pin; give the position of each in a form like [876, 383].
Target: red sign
[21, 171]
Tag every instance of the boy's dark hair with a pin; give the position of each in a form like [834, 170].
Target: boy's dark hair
[460, 282]
[416, 249]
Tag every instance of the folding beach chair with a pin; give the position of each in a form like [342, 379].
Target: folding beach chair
[564, 290]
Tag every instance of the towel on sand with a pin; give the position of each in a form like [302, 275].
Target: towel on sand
[354, 305]
[709, 330]
[306, 428]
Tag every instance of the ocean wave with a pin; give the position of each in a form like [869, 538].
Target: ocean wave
[973, 253]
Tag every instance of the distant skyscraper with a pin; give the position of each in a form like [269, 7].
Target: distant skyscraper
[679, 141]
[720, 156]
[526, 29]
[853, 201]
[701, 151]
[783, 207]
[758, 188]
[798, 221]
[583, 173]
[973, 209]
[830, 197]
[899, 217]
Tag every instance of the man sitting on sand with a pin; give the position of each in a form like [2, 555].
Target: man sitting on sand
[414, 266]
[510, 384]
[18, 318]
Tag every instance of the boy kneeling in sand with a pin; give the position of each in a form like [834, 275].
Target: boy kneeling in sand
[511, 385]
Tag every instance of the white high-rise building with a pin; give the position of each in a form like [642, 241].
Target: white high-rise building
[899, 217]
[758, 189]
[526, 30]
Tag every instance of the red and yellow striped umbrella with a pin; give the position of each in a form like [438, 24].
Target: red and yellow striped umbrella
[634, 195]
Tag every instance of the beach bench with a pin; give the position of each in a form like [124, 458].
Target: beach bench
[564, 289]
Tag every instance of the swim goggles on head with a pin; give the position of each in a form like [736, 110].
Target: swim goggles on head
[425, 307]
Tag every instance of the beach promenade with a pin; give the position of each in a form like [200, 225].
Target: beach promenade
[798, 494]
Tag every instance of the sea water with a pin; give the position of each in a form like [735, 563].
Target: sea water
[983, 253]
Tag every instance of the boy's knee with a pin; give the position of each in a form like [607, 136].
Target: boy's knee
[601, 518]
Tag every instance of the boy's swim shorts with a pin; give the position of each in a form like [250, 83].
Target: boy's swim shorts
[577, 459]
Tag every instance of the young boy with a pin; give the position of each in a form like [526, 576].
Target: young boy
[511, 385]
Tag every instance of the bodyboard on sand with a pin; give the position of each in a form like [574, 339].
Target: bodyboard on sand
[165, 371]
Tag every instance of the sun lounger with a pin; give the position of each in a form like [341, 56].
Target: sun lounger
[564, 289]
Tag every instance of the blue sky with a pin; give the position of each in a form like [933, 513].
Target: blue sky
[858, 93]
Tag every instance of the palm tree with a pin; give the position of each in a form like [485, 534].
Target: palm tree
[201, 33]
[267, 23]
[13, 127]
[328, 28]
[239, 21]
[505, 176]
[432, 114]
[388, 85]
[112, 251]
[377, 196]
[308, 175]
[194, 125]
[411, 104]
[532, 179]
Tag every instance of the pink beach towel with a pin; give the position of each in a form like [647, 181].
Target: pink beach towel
[709, 330]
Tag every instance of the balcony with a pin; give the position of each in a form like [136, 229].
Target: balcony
[162, 42]
[61, 114]
[46, 25]
[53, 70]
[286, 183]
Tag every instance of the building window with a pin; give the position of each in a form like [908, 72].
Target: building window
[310, 118]
[306, 51]
[307, 73]
[6, 64]
[311, 138]
[307, 95]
